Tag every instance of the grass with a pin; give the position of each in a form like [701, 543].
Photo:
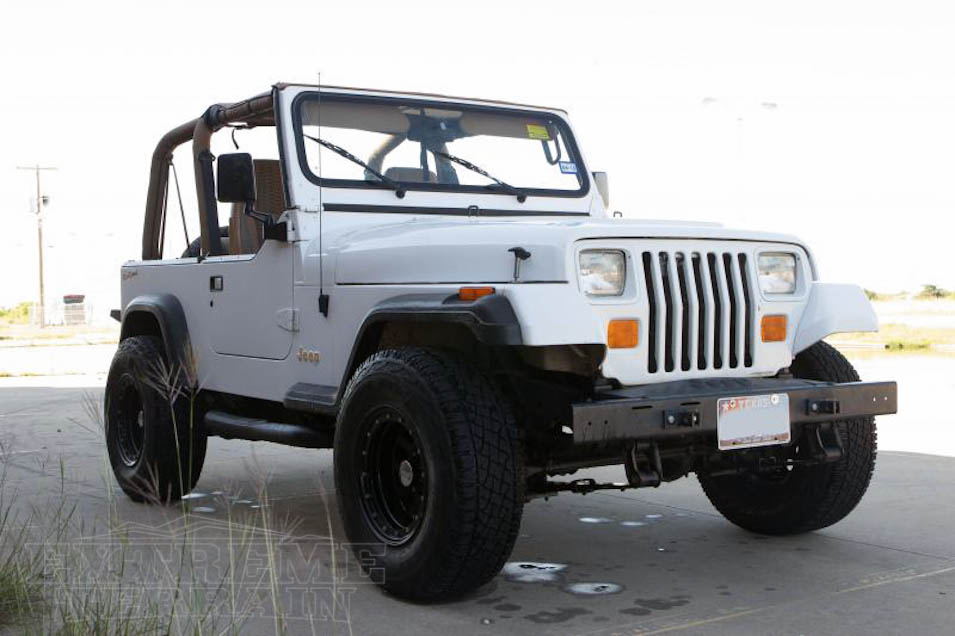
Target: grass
[896, 337]
[53, 582]
[21, 589]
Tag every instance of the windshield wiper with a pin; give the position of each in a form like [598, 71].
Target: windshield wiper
[397, 187]
[520, 194]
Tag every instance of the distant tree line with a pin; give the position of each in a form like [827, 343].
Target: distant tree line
[933, 291]
[928, 292]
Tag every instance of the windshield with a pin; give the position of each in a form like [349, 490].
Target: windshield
[425, 145]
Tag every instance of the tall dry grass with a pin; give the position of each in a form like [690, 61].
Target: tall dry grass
[61, 574]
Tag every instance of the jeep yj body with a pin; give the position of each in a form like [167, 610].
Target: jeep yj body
[461, 338]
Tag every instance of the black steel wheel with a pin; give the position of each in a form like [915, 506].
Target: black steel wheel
[394, 477]
[429, 473]
[128, 418]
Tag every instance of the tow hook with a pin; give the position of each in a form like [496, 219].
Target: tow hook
[643, 465]
[826, 444]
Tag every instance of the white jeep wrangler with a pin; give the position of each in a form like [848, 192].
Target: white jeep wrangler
[432, 287]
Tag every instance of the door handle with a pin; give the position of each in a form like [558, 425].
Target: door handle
[215, 283]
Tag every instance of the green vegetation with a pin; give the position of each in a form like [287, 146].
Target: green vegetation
[18, 314]
[901, 345]
[20, 580]
[893, 337]
[933, 292]
[928, 292]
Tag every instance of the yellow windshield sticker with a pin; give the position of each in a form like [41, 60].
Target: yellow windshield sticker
[536, 131]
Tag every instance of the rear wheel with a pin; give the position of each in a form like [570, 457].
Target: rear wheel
[155, 447]
[429, 473]
[810, 497]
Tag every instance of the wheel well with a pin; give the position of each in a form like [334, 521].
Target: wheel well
[392, 334]
[579, 360]
[140, 323]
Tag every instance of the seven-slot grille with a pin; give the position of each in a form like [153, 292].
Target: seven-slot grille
[702, 310]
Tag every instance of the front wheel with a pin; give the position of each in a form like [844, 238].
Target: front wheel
[807, 497]
[428, 473]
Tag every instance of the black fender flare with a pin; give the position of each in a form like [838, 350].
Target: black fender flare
[166, 311]
[490, 319]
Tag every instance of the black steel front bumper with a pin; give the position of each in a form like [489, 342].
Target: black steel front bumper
[673, 409]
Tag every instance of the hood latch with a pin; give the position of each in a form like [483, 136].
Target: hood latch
[520, 254]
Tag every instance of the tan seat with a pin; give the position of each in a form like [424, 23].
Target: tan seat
[411, 175]
[245, 233]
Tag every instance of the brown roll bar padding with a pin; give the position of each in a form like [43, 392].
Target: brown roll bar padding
[158, 180]
[205, 186]
[257, 111]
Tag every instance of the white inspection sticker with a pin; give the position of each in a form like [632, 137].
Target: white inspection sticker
[568, 167]
[755, 420]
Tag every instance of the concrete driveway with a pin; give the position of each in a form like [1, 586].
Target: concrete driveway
[632, 562]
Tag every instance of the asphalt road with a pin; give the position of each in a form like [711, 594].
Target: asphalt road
[611, 563]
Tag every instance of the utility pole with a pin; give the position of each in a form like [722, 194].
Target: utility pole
[40, 202]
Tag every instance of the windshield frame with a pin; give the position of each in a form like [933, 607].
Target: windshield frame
[561, 123]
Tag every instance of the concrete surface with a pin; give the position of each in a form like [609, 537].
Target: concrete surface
[56, 359]
[669, 561]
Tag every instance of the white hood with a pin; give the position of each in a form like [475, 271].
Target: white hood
[430, 250]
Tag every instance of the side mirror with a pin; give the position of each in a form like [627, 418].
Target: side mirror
[603, 187]
[235, 178]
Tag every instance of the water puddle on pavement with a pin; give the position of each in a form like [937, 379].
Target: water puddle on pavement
[593, 589]
[194, 495]
[530, 572]
[595, 520]
[204, 509]
[633, 524]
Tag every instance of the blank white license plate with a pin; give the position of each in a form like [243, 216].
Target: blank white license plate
[753, 420]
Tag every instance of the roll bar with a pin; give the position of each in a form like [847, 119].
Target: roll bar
[256, 111]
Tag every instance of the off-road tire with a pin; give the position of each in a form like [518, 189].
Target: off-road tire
[172, 446]
[811, 497]
[472, 466]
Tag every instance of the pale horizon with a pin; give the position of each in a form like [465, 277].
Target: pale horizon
[833, 122]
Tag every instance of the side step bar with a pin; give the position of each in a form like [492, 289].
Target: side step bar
[222, 424]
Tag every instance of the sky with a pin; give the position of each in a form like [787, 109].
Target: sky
[833, 121]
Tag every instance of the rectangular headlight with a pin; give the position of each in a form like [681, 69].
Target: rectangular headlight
[777, 273]
[603, 272]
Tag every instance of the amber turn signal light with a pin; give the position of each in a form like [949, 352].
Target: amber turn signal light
[622, 334]
[473, 293]
[773, 328]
